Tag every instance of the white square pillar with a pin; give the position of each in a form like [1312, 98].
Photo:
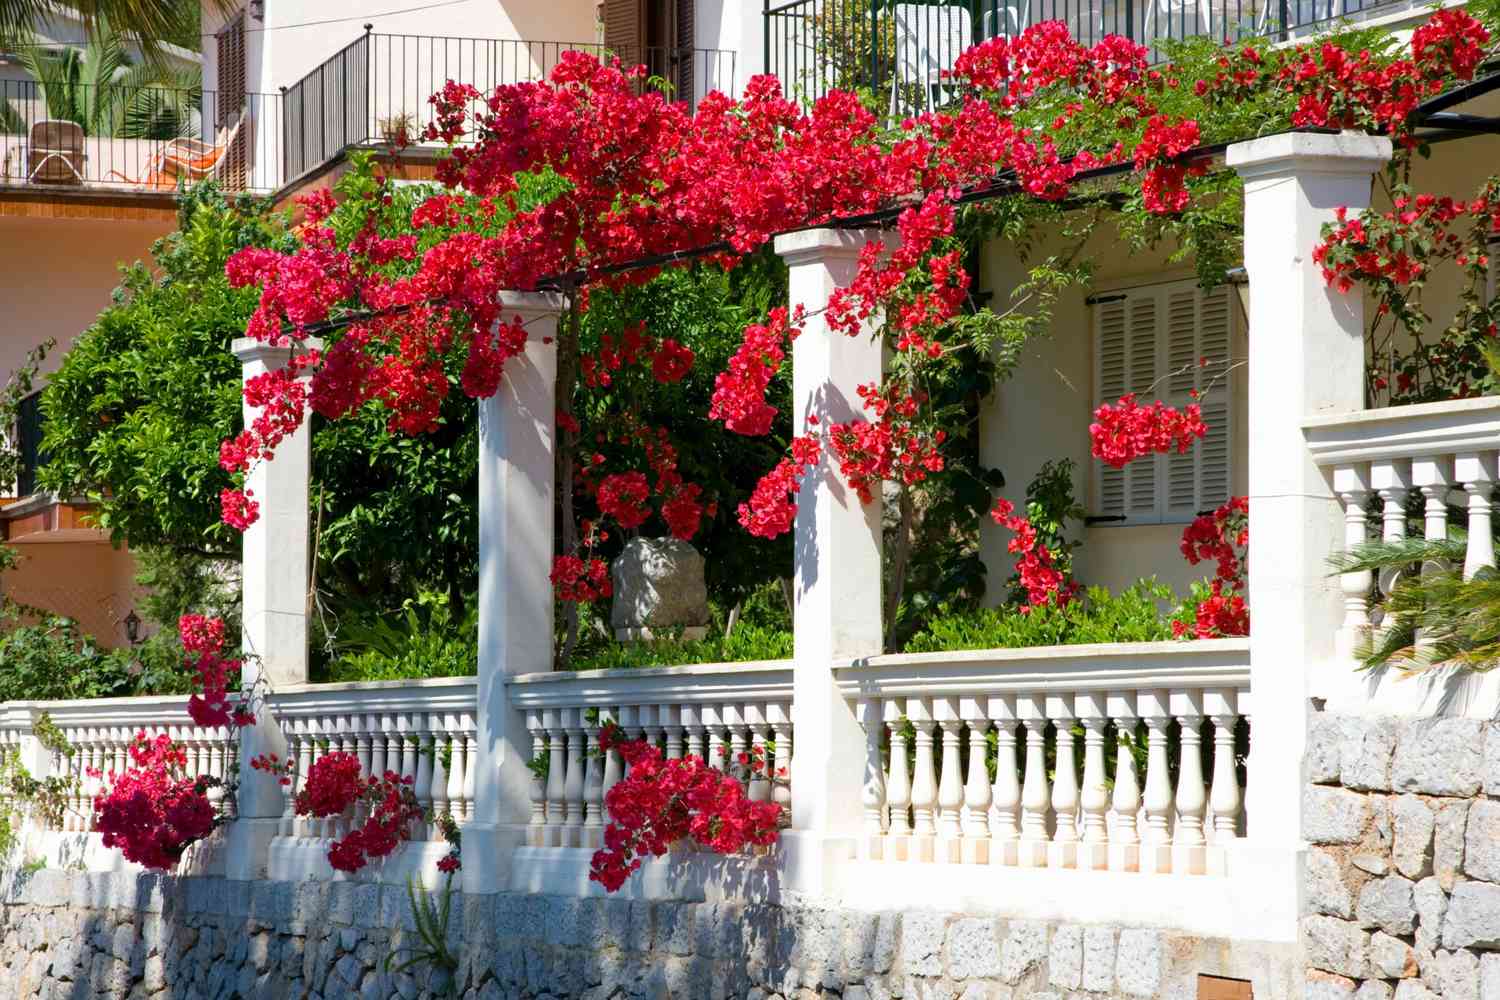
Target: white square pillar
[837, 569]
[276, 547]
[276, 552]
[1306, 357]
[517, 439]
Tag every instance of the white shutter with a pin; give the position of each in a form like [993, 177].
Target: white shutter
[1112, 375]
[1163, 332]
[1145, 322]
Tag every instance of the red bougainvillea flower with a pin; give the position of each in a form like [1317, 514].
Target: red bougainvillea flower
[661, 801]
[153, 811]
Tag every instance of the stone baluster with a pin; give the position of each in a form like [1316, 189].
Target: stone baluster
[536, 832]
[614, 766]
[780, 716]
[293, 736]
[691, 717]
[977, 795]
[898, 783]
[426, 754]
[1352, 484]
[760, 758]
[1063, 851]
[950, 792]
[1005, 794]
[378, 727]
[215, 767]
[1188, 855]
[1433, 475]
[553, 720]
[1476, 471]
[630, 727]
[407, 740]
[652, 729]
[739, 739]
[573, 786]
[1036, 796]
[457, 740]
[592, 834]
[471, 763]
[924, 780]
[713, 722]
[1156, 856]
[438, 794]
[1391, 481]
[1092, 710]
[1224, 798]
[872, 790]
[670, 718]
[307, 731]
[1125, 840]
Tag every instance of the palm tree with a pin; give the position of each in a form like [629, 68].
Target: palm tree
[98, 88]
[149, 21]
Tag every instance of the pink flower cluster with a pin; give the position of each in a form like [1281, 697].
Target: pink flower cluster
[203, 643]
[772, 508]
[739, 397]
[1222, 537]
[154, 810]
[661, 801]
[1037, 566]
[335, 783]
[1124, 431]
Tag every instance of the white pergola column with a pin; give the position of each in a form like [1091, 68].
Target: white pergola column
[837, 571]
[517, 438]
[1306, 357]
[274, 578]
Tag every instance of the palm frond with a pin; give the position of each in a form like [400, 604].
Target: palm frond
[18, 20]
[1433, 616]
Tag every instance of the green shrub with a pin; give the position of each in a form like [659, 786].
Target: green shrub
[747, 642]
[1136, 614]
[54, 659]
[421, 640]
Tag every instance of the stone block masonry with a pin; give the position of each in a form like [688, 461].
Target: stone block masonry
[123, 936]
[1402, 882]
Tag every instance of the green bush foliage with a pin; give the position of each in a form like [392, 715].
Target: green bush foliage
[1136, 614]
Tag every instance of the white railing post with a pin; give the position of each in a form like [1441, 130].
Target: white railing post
[516, 453]
[1476, 472]
[837, 570]
[274, 576]
[1306, 356]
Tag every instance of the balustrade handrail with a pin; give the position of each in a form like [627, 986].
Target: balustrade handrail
[153, 711]
[698, 682]
[427, 694]
[1421, 429]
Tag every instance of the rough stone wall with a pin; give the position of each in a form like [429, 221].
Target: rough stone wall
[1402, 883]
[79, 936]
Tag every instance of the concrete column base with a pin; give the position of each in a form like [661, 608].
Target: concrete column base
[247, 847]
[488, 852]
[810, 860]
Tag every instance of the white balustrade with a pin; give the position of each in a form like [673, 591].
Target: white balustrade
[1443, 452]
[420, 729]
[725, 713]
[1053, 810]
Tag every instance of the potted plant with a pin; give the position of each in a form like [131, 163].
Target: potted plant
[398, 129]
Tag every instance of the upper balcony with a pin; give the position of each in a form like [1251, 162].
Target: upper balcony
[899, 51]
[129, 148]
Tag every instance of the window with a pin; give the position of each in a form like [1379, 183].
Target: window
[1152, 341]
[29, 443]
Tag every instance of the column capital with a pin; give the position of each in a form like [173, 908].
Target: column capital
[249, 350]
[807, 245]
[1289, 153]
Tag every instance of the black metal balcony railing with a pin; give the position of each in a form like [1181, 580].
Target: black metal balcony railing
[899, 50]
[378, 86]
[84, 136]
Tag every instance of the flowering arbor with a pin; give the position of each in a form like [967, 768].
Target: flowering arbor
[497, 276]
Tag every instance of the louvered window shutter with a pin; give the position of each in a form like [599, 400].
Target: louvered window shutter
[685, 56]
[624, 29]
[230, 54]
[1150, 342]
